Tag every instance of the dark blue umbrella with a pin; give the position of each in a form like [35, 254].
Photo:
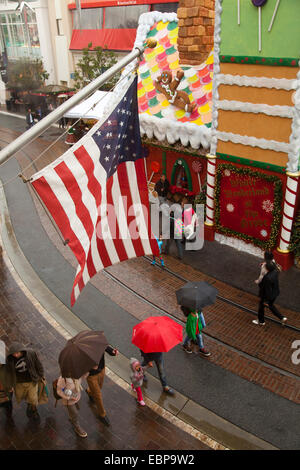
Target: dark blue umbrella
[196, 295]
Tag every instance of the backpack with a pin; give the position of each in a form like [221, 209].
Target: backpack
[54, 389]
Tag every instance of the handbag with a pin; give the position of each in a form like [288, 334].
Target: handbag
[43, 393]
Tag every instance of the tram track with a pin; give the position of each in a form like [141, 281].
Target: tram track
[224, 299]
[163, 311]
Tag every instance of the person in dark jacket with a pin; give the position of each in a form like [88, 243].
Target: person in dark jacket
[29, 119]
[95, 381]
[24, 371]
[162, 188]
[157, 357]
[268, 292]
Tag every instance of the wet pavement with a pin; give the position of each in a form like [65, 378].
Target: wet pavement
[132, 427]
[254, 367]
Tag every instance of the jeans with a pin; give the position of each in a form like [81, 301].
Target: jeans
[179, 246]
[199, 340]
[160, 369]
[261, 310]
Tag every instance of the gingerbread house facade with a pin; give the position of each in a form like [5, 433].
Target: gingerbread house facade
[235, 129]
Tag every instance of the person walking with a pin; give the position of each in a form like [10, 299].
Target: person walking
[268, 257]
[194, 326]
[159, 242]
[137, 378]
[176, 236]
[268, 292]
[25, 370]
[29, 119]
[70, 391]
[157, 357]
[95, 381]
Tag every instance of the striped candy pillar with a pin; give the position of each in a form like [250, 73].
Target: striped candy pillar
[287, 219]
[210, 194]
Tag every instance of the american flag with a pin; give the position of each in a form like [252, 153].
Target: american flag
[97, 192]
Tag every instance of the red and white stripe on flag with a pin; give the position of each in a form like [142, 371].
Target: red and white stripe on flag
[105, 217]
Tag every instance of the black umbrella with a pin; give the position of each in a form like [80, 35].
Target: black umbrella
[81, 353]
[196, 295]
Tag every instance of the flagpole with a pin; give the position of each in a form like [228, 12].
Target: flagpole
[55, 115]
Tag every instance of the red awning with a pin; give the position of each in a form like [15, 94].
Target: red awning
[114, 3]
[115, 39]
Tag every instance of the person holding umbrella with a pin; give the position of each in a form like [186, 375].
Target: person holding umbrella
[95, 381]
[194, 325]
[83, 356]
[193, 296]
[154, 336]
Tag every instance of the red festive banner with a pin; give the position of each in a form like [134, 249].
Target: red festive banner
[246, 204]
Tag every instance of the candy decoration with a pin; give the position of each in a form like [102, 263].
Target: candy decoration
[155, 166]
[259, 4]
[239, 11]
[197, 167]
[274, 14]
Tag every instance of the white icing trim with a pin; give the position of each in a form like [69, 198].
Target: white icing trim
[172, 131]
[216, 71]
[257, 82]
[239, 245]
[253, 141]
[231, 105]
[146, 21]
[293, 162]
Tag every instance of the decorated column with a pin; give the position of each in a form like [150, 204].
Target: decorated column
[210, 194]
[283, 255]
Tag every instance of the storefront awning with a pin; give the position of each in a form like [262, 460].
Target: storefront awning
[109, 38]
[100, 99]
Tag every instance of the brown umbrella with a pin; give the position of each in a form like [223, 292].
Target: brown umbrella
[81, 353]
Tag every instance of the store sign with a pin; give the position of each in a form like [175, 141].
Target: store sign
[246, 204]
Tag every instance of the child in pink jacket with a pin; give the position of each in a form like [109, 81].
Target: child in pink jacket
[137, 378]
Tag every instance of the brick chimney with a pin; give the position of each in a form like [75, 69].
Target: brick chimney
[196, 30]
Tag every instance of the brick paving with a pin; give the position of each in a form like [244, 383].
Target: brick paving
[271, 344]
[132, 428]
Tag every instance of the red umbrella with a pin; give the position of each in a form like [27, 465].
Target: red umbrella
[156, 334]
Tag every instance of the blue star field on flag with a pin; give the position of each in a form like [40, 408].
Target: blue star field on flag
[119, 138]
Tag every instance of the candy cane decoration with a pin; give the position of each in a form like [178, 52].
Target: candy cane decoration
[288, 211]
[274, 14]
[197, 167]
[210, 193]
[259, 4]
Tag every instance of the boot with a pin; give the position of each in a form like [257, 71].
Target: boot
[79, 431]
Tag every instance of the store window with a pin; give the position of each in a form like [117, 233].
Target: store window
[165, 7]
[124, 17]
[91, 18]
[20, 34]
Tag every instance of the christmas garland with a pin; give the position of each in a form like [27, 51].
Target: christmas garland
[268, 244]
[253, 60]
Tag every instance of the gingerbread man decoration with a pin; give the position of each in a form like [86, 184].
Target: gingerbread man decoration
[168, 86]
